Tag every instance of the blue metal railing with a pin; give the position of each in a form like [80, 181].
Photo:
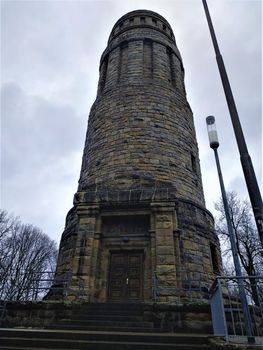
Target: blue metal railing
[226, 308]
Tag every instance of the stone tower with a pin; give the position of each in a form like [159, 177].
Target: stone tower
[139, 209]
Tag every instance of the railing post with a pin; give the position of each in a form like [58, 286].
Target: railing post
[155, 286]
[222, 307]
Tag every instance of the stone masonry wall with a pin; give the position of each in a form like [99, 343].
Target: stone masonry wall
[141, 159]
[141, 131]
[133, 143]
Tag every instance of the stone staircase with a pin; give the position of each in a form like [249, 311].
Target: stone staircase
[108, 326]
[109, 317]
[133, 317]
[105, 327]
[29, 339]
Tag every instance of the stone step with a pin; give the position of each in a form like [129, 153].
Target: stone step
[37, 343]
[89, 345]
[103, 336]
[104, 328]
[109, 317]
[113, 306]
[106, 323]
[110, 312]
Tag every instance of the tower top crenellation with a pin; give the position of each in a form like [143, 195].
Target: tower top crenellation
[142, 18]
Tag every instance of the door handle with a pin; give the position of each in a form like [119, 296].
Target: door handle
[127, 280]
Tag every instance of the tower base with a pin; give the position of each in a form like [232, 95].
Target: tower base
[137, 246]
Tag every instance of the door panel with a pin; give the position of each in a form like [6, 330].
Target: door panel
[125, 279]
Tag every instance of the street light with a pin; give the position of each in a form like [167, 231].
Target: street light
[246, 162]
[214, 144]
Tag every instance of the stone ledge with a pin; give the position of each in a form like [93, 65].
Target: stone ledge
[132, 195]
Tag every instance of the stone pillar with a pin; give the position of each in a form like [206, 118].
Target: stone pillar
[95, 261]
[135, 58]
[164, 226]
[85, 250]
[179, 74]
[160, 62]
[113, 68]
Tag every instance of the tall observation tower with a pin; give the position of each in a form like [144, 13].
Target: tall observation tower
[139, 210]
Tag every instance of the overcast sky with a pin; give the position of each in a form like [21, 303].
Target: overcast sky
[50, 65]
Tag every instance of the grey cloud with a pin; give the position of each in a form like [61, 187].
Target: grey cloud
[41, 157]
[37, 128]
[51, 52]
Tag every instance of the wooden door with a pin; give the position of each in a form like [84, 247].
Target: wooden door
[125, 279]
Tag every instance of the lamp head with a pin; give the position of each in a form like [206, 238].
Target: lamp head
[212, 133]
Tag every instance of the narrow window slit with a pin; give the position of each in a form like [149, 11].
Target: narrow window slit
[193, 162]
[214, 258]
[171, 66]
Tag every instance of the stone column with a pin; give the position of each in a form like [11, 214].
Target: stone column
[135, 61]
[160, 62]
[94, 276]
[164, 222]
[82, 266]
[113, 68]
[179, 74]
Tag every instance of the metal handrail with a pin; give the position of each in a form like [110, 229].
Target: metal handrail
[227, 313]
[56, 282]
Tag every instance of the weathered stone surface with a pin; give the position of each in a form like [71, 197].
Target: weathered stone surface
[140, 189]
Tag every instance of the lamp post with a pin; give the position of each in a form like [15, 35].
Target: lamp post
[246, 162]
[214, 144]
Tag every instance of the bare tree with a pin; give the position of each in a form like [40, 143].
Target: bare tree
[27, 254]
[248, 245]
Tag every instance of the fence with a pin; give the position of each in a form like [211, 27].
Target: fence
[226, 308]
[43, 285]
[227, 312]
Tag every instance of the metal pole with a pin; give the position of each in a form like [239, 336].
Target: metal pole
[242, 293]
[246, 162]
